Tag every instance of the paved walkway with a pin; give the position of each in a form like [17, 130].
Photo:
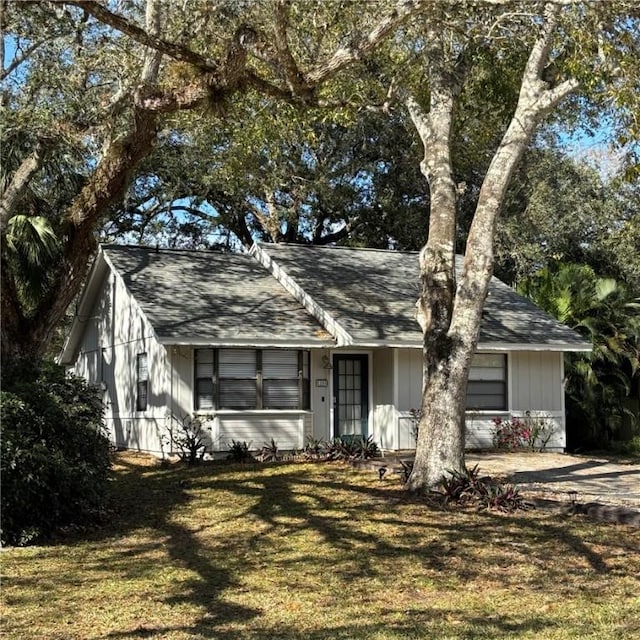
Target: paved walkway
[553, 475]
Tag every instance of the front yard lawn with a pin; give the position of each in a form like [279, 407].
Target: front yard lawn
[317, 551]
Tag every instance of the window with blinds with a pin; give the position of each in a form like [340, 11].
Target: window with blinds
[237, 379]
[204, 362]
[142, 382]
[251, 379]
[487, 387]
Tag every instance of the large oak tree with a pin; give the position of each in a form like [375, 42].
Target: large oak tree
[97, 88]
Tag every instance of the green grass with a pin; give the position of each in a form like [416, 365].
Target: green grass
[317, 551]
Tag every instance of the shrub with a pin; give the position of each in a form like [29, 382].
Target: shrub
[532, 432]
[628, 447]
[188, 437]
[54, 454]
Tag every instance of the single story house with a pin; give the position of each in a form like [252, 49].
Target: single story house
[290, 342]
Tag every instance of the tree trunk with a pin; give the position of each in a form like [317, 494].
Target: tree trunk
[441, 434]
[26, 335]
[451, 325]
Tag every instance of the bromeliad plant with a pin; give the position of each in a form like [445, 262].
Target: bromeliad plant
[467, 488]
[504, 498]
[269, 452]
[357, 448]
[239, 451]
[461, 486]
[314, 449]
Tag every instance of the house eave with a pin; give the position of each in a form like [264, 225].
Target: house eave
[501, 347]
[530, 346]
[303, 343]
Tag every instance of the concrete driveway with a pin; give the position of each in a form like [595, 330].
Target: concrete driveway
[553, 475]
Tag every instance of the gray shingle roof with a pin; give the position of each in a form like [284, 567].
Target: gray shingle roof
[212, 296]
[371, 294]
[222, 298]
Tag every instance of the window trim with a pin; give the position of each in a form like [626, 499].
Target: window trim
[303, 384]
[504, 381]
[197, 379]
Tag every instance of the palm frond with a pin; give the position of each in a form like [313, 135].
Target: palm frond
[32, 238]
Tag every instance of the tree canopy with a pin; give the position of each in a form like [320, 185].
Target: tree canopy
[95, 87]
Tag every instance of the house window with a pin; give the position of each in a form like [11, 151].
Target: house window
[204, 378]
[487, 388]
[142, 382]
[251, 379]
[280, 379]
[237, 378]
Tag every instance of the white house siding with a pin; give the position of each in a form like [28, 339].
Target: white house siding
[384, 411]
[409, 379]
[180, 380]
[321, 386]
[113, 337]
[256, 428]
[535, 386]
[536, 381]
[382, 362]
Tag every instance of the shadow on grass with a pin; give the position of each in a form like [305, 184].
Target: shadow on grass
[364, 527]
[414, 623]
[148, 497]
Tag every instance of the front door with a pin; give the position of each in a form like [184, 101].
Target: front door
[350, 395]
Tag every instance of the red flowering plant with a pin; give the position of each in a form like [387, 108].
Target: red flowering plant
[511, 433]
[531, 432]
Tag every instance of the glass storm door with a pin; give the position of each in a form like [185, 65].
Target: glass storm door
[350, 395]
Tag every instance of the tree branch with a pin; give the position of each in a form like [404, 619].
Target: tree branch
[419, 118]
[539, 56]
[551, 97]
[171, 49]
[18, 185]
[345, 56]
[19, 59]
[534, 101]
[155, 100]
[334, 236]
[294, 78]
[265, 221]
[152, 56]
[270, 89]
